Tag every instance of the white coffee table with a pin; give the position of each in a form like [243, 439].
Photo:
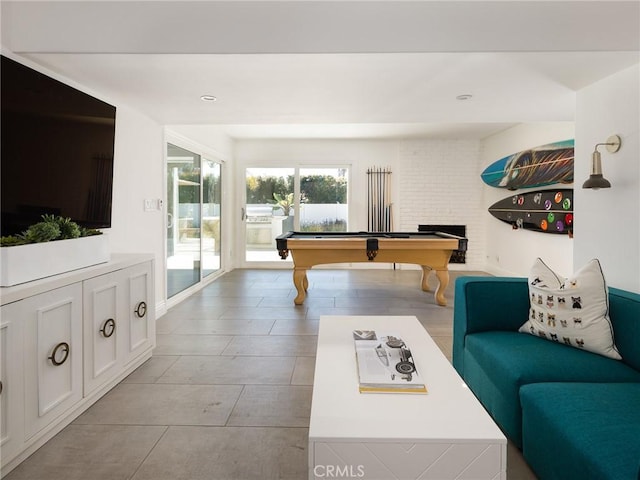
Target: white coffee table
[444, 434]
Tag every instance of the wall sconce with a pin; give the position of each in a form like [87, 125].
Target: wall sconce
[596, 180]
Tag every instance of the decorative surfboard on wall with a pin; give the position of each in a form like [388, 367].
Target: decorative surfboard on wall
[536, 167]
[548, 211]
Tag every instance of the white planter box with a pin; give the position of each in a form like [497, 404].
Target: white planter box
[24, 263]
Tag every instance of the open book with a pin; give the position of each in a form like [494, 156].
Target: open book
[385, 364]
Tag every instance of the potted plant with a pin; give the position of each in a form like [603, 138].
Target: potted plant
[54, 245]
[284, 203]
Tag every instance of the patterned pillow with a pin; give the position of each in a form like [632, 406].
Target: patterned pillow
[573, 311]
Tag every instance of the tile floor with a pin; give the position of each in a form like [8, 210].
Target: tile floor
[227, 393]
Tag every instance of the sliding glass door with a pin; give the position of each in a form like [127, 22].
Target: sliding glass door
[269, 210]
[211, 205]
[323, 194]
[193, 218]
[271, 207]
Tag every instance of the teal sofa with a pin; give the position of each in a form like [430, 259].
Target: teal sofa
[574, 414]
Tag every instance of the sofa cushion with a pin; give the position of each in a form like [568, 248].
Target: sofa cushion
[624, 309]
[498, 363]
[582, 430]
[573, 310]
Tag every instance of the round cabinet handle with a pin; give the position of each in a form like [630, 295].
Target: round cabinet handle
[141, 310]
[108, 328]
[65, 349]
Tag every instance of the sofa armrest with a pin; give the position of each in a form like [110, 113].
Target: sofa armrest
[487, 303]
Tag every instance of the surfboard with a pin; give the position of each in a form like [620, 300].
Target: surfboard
[548, 211]
[535, 167]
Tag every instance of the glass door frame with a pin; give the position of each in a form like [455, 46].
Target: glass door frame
[205, 155]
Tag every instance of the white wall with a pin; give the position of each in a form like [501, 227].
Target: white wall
[440, 184]
[138, 175]
[512, 252]
[608, 220]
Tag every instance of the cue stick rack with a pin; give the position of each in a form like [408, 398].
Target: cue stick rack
[379, 200]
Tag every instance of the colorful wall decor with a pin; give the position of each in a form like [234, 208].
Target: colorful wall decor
[535, 167]
[547, 211]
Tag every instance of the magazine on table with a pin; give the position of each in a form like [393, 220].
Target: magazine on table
[385, 364]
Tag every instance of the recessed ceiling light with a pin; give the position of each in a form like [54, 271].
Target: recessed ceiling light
[465, 96]
[208, 98]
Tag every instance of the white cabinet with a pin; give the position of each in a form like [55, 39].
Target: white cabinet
[12, 382]
[52, 353]
[64, 342]
[141, 333]
[118, 324]
[105, 319]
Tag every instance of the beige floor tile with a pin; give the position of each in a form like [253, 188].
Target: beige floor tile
[517, 468]
[288, 302]
[168, 323]
[192, 311]
[295, 327]
[266, 313]
[230, 370]
[177, 344]
[272, 406]
[254, 326]
[138, 404]
[206, 302]
[229, 453]
[363, 309]
[90, 452]
[304, 371]
[273, 345]
[151, 370]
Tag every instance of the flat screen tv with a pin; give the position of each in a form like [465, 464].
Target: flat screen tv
[56, 151]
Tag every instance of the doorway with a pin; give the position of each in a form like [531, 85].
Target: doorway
[193, 218]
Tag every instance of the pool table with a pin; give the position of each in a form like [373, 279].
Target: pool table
[430, 250]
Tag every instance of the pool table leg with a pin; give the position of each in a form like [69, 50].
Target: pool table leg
[301, 283]
[443, 281]
[424, 284]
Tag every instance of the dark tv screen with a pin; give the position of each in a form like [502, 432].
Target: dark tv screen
[56, 151]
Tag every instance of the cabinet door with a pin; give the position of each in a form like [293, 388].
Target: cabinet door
[141, 309]
[11, 388]
[105, 325]
[52, 355]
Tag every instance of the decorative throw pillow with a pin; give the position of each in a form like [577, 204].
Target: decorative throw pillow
[573, 311]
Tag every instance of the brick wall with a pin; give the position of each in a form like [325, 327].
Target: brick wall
[439, 183]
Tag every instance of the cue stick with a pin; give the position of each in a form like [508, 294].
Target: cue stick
[388, 205]
[382, 195]
[375, 201]
[380, 199]
[386, 199]
[384, 205]
[370, 186]
[368, 201]
[372, 200]
[377, 194]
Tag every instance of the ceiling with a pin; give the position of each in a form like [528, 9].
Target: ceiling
[320, 69]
